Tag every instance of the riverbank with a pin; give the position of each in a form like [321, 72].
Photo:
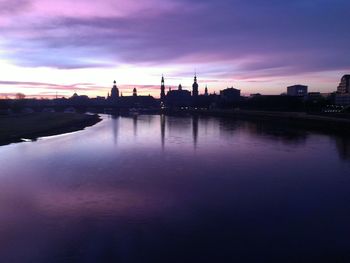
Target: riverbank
[16, 128]
[299, 119]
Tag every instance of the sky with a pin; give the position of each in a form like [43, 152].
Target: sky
[50, 48]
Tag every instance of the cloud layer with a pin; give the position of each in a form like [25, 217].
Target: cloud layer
[224, 38]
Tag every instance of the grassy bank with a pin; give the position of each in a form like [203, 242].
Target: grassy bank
[14, 128]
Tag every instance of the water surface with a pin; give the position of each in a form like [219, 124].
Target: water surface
[176, 189]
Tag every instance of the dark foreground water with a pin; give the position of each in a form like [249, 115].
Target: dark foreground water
[170, 189]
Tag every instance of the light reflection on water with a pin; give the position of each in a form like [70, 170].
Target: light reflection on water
[176, 189]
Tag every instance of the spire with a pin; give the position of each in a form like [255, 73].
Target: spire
[195, 86]
[162, 89]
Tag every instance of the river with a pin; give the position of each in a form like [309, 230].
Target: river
[176, 189]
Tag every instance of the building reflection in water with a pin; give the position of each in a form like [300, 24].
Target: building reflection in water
[282, 133]
[115, 127]
[204, 123]
[178, 124]
[134, 118]
[195, 130]
[227, 127]
[268, 131]
[162, 129]
[171, 126]
[343, 147]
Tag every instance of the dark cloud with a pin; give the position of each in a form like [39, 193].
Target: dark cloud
[269, 37]
[14, 7]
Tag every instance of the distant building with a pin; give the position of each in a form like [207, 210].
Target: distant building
[274, 102]
[255, 94]
[114, 92]
[230, 94]
[342, 99]
[79, 98]
[206, 91]
[162, 89]
[195, 87]
[179, 97]
[344, 86]
[137, 102]
[314, 95]
[342, 96]
[134, 92]
[297, 90]
[182, 98]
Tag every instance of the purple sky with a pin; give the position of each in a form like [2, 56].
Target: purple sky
[258, 46]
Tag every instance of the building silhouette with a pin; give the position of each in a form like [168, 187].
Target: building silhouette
[342, 96]
[178, 98]
[195, 119]
[344, 85]
[162, 90]
[230, 94]
[162, 129]
[114, 92]
[297, 90]
[115, 100]
[195, 87]
[184, 98]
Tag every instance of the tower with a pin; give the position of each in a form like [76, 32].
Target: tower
[206, 91]
[162, 89]
[134, 92]
[114, 91]
[195, 87]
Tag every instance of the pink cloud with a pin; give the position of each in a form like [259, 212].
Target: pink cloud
[91, 8]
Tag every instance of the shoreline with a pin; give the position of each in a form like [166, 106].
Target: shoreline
[18, 128]
[295, 119]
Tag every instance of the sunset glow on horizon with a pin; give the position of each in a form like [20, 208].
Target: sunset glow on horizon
[50, 49]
